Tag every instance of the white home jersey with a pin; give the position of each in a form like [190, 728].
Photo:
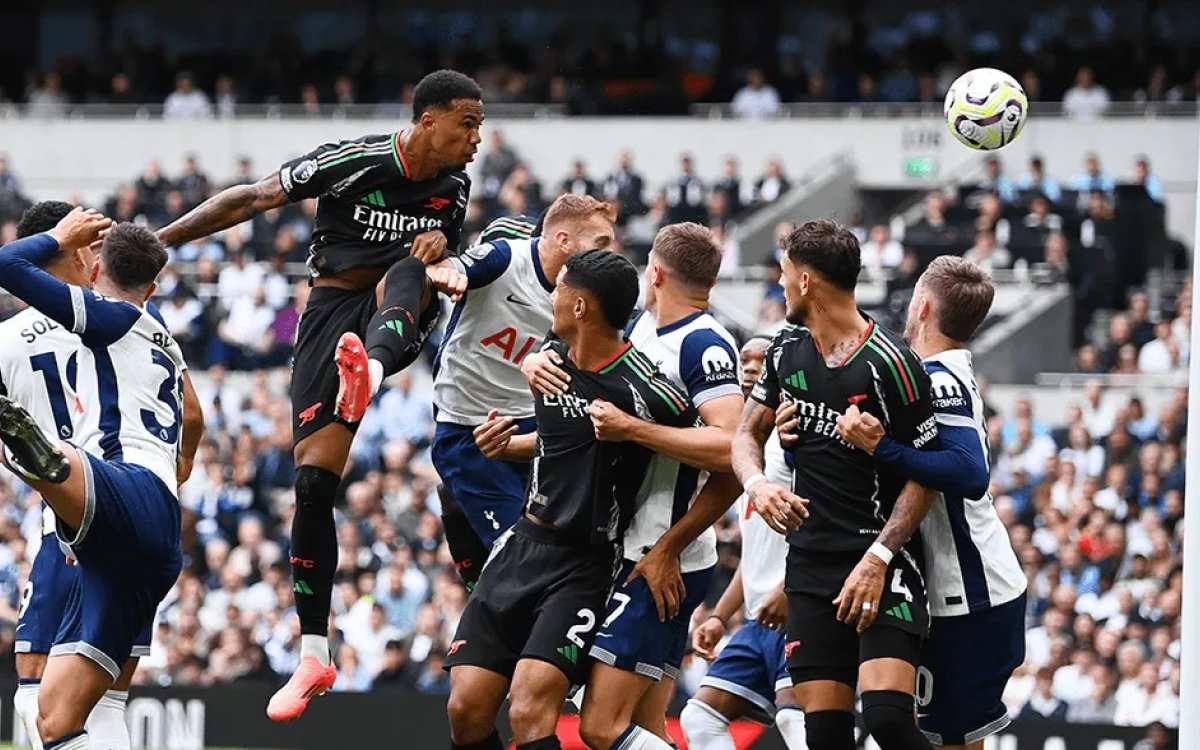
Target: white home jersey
[970, 562]
[699, 356]
[136, 398]
[764, 550]
[504, 315]
[39, 369]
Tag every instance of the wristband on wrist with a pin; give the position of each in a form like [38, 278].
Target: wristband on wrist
[750, 482]
[882, 552]
[718, 618]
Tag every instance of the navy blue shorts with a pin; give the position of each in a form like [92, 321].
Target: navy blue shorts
[491, 493]
[44, 598]
[129, 554]
[753, 667]
[965, 665]
[632, 637]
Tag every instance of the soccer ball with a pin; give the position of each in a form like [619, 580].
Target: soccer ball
[986, 108]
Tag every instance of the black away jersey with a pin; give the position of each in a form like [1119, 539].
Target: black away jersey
[368, 209]
[583, 487]
[850, 495]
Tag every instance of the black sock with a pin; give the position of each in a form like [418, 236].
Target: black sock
[545, 743]
[394, 328]
[491, 742]
[891, 721]
[314, 550]
[829, 730]
[466, 548]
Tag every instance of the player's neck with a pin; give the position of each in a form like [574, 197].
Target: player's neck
[107, 289]
[550, 257]
[832, 323]
[673, 305]
[592, 348]
[933, 344]
[418, 153]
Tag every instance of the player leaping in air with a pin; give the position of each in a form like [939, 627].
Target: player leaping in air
[115, 497]
[976, 585]
[389, 208]
[40, 363]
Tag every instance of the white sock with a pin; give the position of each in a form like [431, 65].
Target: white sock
[80, 741]
[789, 720]
[315, 645]
[25, 705]
[106, 724]
[704, 727]
[375, 371]
[636, 738]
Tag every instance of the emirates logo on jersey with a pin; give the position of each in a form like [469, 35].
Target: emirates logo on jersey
[390, 226]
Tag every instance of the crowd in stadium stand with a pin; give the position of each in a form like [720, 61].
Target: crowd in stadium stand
[1084, 59]
[1092, 495]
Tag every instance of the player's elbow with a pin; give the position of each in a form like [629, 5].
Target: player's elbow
[977, 481]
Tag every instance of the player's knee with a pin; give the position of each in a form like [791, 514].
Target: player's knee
[468, 719]
[52, 722]
[316, 487]
[890, 719]
[598, 731]
[531, 716]
[702, 723]
[830, 729]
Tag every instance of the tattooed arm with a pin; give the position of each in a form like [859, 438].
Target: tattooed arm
[781, 509]
[227, 208]
[911, 508]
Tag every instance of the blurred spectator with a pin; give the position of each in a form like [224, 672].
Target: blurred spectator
[186, 102]
[773, 184]
[1150, 182]
[1086, 99]
[121, 91]
[1100, 705]
[881, 253]
[497, 165]
[1093, 178]
[625, 185]
[226, 97]
[730, 186]
[1037, 180]
[521, 193]
[8, 181]
[757, 98]
[48, 100]
[578, 182]
[686, 195]
[193, 183]
[1042, 705]
[1040, 217]
[995, 181]
[987, 253]
[1163, 353]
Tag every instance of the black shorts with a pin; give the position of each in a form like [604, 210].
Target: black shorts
[537, 598]
[330, 313]
[819, 647]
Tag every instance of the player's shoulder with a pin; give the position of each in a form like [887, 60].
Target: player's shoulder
[637, 362]
[11, 327]
[519, 227]
[951, 378]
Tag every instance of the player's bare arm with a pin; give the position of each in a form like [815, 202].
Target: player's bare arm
[782, 510]
[705, 447]
[227, 208]
[193, 429]
[497, 439]
[710, 632]
[859, 598]
[447, 279]
[773, 615]
[660, 566]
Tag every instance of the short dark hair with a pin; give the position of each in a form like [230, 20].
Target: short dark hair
[133, 256]
[964, 293]
[690, 251]
[611, 278]
[42, 217]
[829, 248]
[440, 88]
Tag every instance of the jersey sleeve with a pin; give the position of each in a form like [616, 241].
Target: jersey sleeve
[904, 395]
[483, 264]
[96, 320]
[333, 167]
[667, 404]
[708, 366]
[767, 390]
[453, 230]
[508, 228]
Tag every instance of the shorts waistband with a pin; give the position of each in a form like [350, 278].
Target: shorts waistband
[538, 533]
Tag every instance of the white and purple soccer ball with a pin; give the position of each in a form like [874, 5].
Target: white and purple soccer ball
[986, 109]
